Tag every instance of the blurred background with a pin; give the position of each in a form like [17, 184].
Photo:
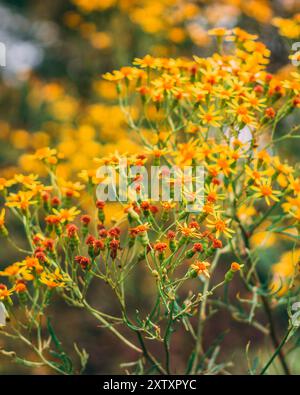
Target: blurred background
[52, 94]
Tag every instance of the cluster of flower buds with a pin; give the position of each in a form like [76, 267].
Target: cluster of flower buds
[114, 241]
[54, 223]
[95, 246]
[160, 248]
[50, 202]
[83, 261]
[148, 209]
[72, 236]
[39, 253]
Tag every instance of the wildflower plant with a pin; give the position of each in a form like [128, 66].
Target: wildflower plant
[220, 113]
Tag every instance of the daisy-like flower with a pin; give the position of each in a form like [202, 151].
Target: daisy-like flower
[147, 62]
[143, 228]
[54, 280]
[119, 75]
[256, 174]
[220, 226]
[210, 208]
[219, 32]
[242, 112]
[11, 270]
[168, 205]
[4, 183]
[211, 193]
[26, 180]
[188, 232]
[46, 154]
[67, 215]
[224, 164]
[201, 267]
[91, 176]
[294, 184]
[210, 117]
[5, 292]
[21, 200]
[282, 168]
[70, 189]
[158, 152]
[255, 102]
[264, 190]
[32, 263]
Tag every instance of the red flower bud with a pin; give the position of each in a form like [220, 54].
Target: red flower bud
[83, 261]
[160, 247]
[85, 219]
[90, 240]
[197, 247]
[72, 230]
[270, 113]
[217, 243]
[103, 233]
[55, 201]
[100, 205]
[114, 232]
[171, 234]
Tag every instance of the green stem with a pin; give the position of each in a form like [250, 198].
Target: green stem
[277, 352]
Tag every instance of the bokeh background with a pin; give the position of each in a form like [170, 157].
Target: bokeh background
[52, 94]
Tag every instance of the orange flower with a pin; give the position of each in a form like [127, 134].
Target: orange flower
[201, 268]
[235, 266]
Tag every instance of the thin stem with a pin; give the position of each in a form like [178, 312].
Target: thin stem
[277, 352]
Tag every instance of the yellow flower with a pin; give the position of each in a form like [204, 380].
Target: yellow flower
[147, 61]
[4, 183]
[255, 173]
[264, 190]
[289, 28]
[224, 164]
[294, 184]
[69, 188]
[5, 292]
[188, 232]
[44, 153]
[26, 180]
[54, 280]
[219, 226]
[242, 112]
[284, 270]
[21, 200]
[219, 32]
[210, 116]
[212, 194]
[67, 215]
